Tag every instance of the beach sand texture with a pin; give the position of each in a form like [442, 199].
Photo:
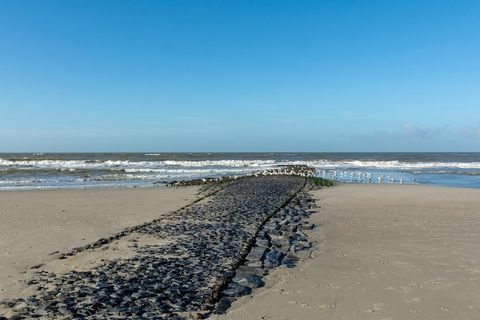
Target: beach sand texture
[382, 252]
[35, 224]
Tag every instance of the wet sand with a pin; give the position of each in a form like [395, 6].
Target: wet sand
[381, 252]
[35, 224]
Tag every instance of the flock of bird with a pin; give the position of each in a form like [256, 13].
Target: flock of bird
[337, 175]
[362, 177]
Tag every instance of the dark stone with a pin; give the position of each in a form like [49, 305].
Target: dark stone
[263, 243]
[242, 270]
[273, 259]
[281, 243]
[290, 260]
[236, 290]
[257, 253]
[222, 306]
[249, 280]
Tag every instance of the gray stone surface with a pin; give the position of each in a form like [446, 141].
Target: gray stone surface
[283, 236]
[236, 290]
[257, 253]
[249, 280]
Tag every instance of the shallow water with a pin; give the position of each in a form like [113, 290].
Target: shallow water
[91, 170]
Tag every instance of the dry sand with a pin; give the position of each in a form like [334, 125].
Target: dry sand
[382, 252]
[34, 224]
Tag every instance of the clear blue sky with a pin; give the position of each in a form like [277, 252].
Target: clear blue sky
[239, 75]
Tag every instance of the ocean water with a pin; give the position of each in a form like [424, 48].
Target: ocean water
[101, 170]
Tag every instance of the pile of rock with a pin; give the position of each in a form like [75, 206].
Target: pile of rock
[295, 170]
[276, 244]
[193, 182]
[288, 170]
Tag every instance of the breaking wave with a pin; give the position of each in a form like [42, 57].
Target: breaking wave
[126, 164]
[37, 171]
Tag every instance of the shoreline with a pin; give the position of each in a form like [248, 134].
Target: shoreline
[98, 170]
[211, 181]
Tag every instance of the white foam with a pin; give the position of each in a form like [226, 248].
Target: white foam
[395, 164]
[25, 172]
[222, 163]
[77, 164]
[256, 164]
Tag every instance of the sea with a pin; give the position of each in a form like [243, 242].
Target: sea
[26, 171]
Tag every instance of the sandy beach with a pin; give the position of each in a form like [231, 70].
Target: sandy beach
[35, 224]
[381, 252]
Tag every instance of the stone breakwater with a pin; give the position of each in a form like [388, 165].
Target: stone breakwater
[297, 170]
[181, 264]
[277, 243]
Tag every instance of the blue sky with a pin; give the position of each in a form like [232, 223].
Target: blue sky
[239, 75]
